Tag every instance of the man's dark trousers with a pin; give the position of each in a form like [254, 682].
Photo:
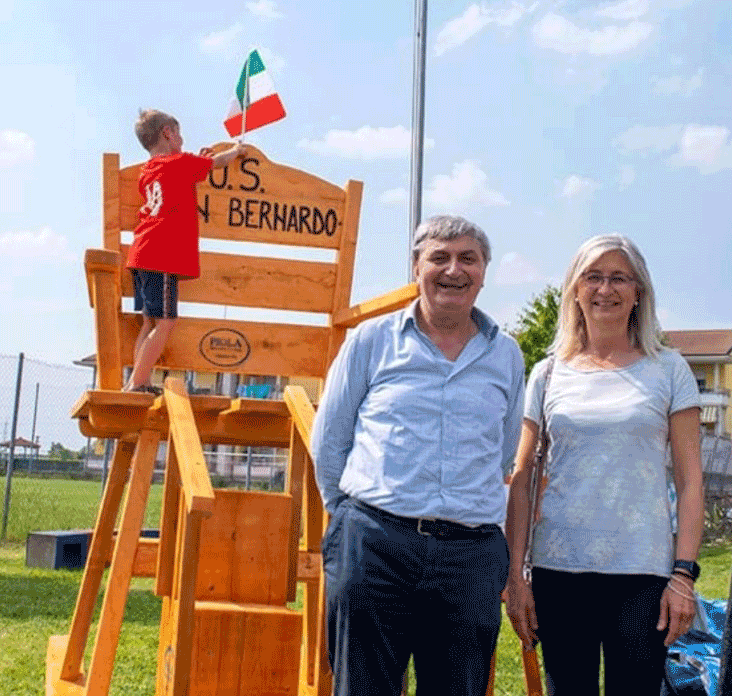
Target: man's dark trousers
[392, 591]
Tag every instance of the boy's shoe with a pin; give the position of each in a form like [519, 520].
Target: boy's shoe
[147, 389]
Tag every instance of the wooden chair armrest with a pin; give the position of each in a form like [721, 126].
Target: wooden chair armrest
[396, 299]
[98, 261]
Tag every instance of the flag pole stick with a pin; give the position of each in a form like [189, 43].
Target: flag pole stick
[245, 100]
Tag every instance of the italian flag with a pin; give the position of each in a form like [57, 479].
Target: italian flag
[256, 96]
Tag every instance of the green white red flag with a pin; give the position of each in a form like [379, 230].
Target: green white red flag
[255, 96]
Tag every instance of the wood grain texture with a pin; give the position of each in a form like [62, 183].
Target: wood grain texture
[192, 468]
[111, 201]
[55, 686]
[302, 413]
[100, 548]
[110, 620]
[389, 302]
[256, 200]
[253, 281]
[221, 345]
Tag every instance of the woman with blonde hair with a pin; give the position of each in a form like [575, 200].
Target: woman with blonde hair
[615, 399]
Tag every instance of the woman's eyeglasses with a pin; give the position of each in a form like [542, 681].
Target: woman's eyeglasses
[616, 280]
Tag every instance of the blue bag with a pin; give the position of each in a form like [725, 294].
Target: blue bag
[692, 663]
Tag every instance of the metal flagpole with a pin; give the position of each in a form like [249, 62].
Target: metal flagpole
[415, 173]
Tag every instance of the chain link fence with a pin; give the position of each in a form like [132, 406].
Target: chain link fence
[48, 444]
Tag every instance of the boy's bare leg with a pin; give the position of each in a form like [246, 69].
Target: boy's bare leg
[147, 326]
[149, 351]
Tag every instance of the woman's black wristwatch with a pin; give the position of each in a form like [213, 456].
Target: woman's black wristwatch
[691, 567]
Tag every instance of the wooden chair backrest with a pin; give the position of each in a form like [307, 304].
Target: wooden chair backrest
[251, 200]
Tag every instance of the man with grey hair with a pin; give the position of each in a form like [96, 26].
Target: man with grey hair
[416, 428]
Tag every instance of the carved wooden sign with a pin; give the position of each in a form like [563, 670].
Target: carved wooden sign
[254, 199]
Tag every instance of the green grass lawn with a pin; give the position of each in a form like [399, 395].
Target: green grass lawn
[36, 603]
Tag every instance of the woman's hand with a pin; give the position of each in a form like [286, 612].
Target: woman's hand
[520, 610]
[678, 608]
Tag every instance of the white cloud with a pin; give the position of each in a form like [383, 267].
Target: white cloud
[576, 186]
[515, 269]
[678, 84]
[627, 176]
[395, 195]
[467, 183]
[366, 143]
[222, 42]
[707, 148]
[559, 34]
[264, 8]
[475, 18]
[44, 245]
[657, 138]
[627, 9]
[16, 147]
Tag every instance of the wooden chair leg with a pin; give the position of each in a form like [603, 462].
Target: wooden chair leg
[101, 542]
[120, 573]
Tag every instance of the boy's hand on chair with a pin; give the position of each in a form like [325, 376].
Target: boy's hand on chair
[205, 152]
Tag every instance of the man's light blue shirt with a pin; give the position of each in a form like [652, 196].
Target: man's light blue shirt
[402, 428]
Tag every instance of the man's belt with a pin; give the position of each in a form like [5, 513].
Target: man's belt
[429, 526]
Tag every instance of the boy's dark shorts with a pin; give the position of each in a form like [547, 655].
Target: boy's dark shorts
[156, 293]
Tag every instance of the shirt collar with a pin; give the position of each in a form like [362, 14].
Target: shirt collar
[485, 324]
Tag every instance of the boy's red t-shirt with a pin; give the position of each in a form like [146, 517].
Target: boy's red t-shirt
[166, 238]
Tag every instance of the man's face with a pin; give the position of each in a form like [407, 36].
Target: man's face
[450, 274]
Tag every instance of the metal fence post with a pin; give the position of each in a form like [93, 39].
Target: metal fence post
[11, 454]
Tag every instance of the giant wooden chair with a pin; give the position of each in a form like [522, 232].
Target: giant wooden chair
[227, 562]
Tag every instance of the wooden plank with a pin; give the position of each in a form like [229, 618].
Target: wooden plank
[111, 200]
[168, 524]
[253, 199]
[99, 550]
[297, 461]
[205, 605]
[55, 686]
[231, 648]
[251, 281]
[313, 527]
[164, 674]
[271, 656]
[233, 429]
[146, 558]
[106, 302]
[389, 302]
[217, 556]
[184, 590]
[260, 406]
[110, 621]
[206, 654]
[221, 345]
[346, 259]
[323, 678]
[308, 566]
[259, 573]
[193, 471]
[302, 412]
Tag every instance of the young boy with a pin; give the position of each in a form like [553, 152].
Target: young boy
[165, 247]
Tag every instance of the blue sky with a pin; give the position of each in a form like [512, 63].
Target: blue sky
[546, 123]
